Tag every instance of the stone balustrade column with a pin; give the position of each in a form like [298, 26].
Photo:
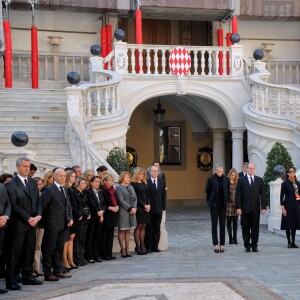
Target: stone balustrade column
[219, 146]
[274, 220]
[237, 147]
[237, 63]
[96, 66]
[121, 61]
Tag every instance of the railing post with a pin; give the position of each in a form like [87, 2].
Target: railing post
[236, 60]
[96, 66]
[121, 60]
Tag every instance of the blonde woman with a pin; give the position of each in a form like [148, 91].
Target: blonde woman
[232, 217]
[48, 179]
[127, 209]
[139, 183]
[87, 175]
[68, 261]
[39, 237]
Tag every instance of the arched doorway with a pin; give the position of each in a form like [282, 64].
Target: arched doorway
[201, 123]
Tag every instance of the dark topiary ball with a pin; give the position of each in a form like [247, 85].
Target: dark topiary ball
[235, 38]
[96, 50]
[119, 34]
[258, 54]
[73, 78]
[19, 138]
[279, 171]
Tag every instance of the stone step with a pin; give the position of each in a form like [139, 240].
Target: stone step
[35, 128]
[38, 120]
[32, 106]
[38, 139]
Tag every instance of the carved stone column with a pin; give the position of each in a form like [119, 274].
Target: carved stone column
[219, 146]
[237, 147]
[274, 220]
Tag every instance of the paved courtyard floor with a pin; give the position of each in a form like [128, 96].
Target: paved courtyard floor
[188, 270]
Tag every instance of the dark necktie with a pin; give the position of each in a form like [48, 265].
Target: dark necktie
[26, 184]
[62, 191]
[154, 182]
[251, 180]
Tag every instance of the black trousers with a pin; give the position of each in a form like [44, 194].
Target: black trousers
[93, 245]
[2, 252]
[108, 240]
[232, 230]
[21, 255]
[77, 251]
[153, 232]
[52, 250]
[218, 215]
[250, 229]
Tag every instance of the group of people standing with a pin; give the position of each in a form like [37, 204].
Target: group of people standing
[70, 217]
[243, 194]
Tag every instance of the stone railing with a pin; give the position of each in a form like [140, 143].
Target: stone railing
[52, 66]
[88, 102]
[275, 101]
[132, 59]
[284, 71]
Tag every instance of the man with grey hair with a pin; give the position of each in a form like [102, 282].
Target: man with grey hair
[25, 214]
[250, 202]
[217, 193]
[157, 195]
[245, 169]
[57, 216]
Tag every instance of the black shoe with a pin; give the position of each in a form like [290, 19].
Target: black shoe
[32, 281]
[13, 286]
[290, 245]
[3, 291]
[247, 249]
[149, 251]
[294, 245]
[98, 260]
[222, 250]
[217, 250]
[128, 255]
[106, 258]
[123, 255]
[112, 257]
[74, 267]
[138, 251]
[254, 249]
[156, 250]
[235, 240]
[230, 240]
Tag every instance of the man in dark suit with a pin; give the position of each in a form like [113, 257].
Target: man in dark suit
[245, 169]
[157, 195]
[5, 210]
[57, 216]
[25, 214]
[250, 201]
[217, 194]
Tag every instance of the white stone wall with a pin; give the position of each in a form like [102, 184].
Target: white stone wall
[57, 21]
[254, 33]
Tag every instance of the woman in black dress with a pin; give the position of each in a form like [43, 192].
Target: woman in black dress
[111, 216]
[93, 245]
[139, 183]
[79, 240]
[290, 201]
[68, 260]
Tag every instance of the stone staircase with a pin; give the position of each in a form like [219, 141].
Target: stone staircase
[42, 114]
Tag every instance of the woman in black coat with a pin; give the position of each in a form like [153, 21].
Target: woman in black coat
[80, 237]
[139, 183]
[97, 207]
[217, 192]
[290, 201]
[110, 217]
